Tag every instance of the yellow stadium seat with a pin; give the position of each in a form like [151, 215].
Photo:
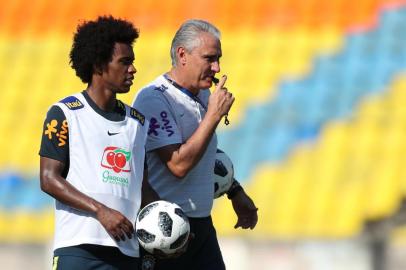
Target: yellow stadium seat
[26, 227]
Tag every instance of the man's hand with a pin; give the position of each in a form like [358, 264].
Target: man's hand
[115, 223]
[220, 100]
[246, 211]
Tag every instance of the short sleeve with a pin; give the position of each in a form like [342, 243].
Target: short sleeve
[55, 136]
[163, 129]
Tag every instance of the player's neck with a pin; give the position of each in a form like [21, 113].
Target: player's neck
[182, 79]
[103, 98]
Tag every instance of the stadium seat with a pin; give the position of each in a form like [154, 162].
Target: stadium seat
[318, 123]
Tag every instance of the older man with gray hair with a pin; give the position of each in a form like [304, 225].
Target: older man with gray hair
[182, 144]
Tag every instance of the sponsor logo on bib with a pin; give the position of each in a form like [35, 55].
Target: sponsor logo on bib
[116, 161]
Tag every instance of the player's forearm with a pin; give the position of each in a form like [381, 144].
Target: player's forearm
[60, 189]
[190, 153]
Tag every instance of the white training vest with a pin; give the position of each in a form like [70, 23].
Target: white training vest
[106, 163]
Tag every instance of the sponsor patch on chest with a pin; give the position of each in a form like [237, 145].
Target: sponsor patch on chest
[73, 103]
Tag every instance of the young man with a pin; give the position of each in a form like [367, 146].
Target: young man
[92, 154]
[181, 144]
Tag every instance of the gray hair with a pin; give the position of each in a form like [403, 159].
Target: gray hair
[187, 36]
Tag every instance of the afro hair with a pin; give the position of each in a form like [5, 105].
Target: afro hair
[93, 44]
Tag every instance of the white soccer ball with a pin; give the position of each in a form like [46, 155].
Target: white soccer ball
[223, 173]
[163, 226]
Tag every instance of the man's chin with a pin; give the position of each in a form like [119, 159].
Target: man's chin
[206, 84]
[123, 90]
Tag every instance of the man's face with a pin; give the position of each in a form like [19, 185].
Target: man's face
[119, 73]
[203, 62]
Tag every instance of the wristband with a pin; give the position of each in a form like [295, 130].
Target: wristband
[234, 189]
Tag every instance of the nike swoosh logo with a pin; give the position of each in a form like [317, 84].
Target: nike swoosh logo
[112, 133]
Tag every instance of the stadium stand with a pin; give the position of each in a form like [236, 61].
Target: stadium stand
[319, 118]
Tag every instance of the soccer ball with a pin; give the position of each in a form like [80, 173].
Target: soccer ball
[223, 174]
[162, 226]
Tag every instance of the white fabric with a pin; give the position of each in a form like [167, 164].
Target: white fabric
[91, 173]
[174, 117]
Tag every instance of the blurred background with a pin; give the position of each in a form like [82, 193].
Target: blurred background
[317, 133]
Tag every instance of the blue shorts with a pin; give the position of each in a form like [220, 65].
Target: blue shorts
[203, 252]
[86, 257]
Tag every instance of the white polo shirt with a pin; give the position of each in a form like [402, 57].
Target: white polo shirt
[174, 116]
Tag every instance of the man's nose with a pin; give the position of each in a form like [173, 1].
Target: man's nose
[215, 66]
[132, 69]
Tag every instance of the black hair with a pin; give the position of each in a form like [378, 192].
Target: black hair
[93, 44]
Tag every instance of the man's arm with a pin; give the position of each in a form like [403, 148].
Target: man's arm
[181, 158]
[244, 207]
[55, 185]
